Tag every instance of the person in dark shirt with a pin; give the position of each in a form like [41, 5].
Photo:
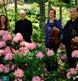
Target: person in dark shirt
[55, 25]
[70, 31]
[4, 24]
[24, 26]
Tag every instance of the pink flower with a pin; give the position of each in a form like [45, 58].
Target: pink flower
[1, 68]
[77, 66]
[75, 54]
[0, 79]
[2, 32]
[6, 68]
[18, 38]
[7, 37]
[32, 46]
[19, 73]
[8, 56]
[63, 57]
[36, 78]
[7, 50]
[40, 55]
[50, 52]
[24, 44]
[24, 50]
[2, 44]
[14, 51]
[2, 52]
[68, 75]
[13, 66]
[73, 71]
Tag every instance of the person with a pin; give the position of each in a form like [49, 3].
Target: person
[54, 25]
[24, 26]
[70, 32]
[4, 24]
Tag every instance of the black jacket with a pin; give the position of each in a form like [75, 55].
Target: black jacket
[25, 28]
[68, 33]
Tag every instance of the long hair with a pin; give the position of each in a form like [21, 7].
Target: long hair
[6, 23]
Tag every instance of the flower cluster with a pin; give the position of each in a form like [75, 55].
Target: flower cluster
[73, 73]
[19, 58]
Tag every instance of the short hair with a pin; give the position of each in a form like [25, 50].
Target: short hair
[74, 7]
[22, 11]
[53, 10]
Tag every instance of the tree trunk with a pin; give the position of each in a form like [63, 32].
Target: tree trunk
[5, 8]
[15, 9]
[42, 18]
[76, 2]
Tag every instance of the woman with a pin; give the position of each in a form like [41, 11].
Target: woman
[3, 22]
[53, 25]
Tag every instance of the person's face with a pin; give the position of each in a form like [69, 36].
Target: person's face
[3, 19]
[51, 14]
[22, 15]
[73, 13]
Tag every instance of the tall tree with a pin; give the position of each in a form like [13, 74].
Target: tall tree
[76, 2]
[15, 1]
[42, 17]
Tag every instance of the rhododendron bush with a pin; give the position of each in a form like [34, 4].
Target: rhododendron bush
[23, 61]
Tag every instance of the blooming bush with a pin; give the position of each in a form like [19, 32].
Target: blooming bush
[73, 72]
[23, 61]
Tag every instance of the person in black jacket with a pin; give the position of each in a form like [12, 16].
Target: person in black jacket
[24, 26]
[70, 32]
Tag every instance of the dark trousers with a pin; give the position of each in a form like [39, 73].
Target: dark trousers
[71, 61]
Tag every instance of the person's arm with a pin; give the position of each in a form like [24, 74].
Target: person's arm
[47, 33]
[59, 25]
[30, 29]
[16, 30]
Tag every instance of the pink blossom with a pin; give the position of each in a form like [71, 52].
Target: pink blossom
[1, 68]
[68, 75]
[8, 56]
[50, 52]
[2, 52]
[63, 57]
[18, 38]
[40, 55]
[24, 50]
[14, 51]
[77, 66]
[7, 50]
[6, 68]
[19, 73]
[13, 66]
[73, 71]
[32, 46]
[7, 37]
[75, 54]
[0, 79]
[2, 44]
[36, 78]
[2, 32]
[24, 44]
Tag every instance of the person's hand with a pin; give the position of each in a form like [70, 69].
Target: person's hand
[61, 46]
[55, 28]
[75, 39]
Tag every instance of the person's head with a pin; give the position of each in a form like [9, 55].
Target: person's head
[3, 20]
[74, 12]
[22, 14]
[52, 13]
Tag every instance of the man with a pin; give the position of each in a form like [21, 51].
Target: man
[24, 27]
[70, 32]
